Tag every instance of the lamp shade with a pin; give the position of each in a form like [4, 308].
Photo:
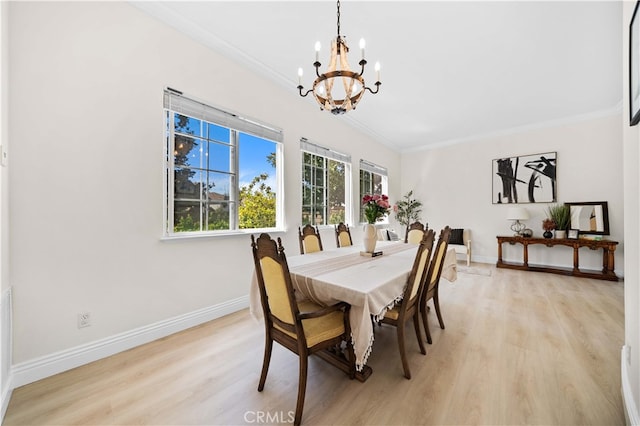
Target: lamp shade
[517, 213]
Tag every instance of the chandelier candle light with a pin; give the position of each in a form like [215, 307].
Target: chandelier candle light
[339, 98]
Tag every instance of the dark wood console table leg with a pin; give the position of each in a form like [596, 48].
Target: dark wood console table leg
[576, 260]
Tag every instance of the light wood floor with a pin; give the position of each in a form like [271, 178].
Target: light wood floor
[519, 348]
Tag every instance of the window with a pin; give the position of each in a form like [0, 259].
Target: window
[373, 180]
[221, 170]
[326, 185]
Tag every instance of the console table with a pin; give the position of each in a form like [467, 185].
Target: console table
[608, 247]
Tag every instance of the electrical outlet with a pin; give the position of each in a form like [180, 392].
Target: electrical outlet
[84, 320]
[628, 353]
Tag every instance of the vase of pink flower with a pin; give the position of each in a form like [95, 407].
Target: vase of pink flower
[375, 208]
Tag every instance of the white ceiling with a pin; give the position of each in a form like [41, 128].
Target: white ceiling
[451, 71]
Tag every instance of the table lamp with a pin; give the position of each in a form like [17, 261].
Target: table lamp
[517, 214]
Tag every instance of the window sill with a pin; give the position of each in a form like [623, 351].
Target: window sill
[216, 234]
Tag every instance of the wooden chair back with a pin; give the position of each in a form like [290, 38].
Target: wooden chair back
[310, 241]
[414, 233]
[418, 274]
[343, 236]
[274, 281]
[435, 268]
[432, 281]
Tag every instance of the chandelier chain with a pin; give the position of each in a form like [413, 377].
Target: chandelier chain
[338, 18]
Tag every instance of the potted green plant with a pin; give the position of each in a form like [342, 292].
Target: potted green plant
[407, 210]
[561, 216]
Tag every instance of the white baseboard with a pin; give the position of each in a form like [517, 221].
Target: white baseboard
[630, 408]
[6, 397]
[39, 368]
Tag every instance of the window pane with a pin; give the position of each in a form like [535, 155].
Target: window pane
[319, 218]
[186, 184]
[186, 216]
[217, 216]
[258, 187]
[336, 191]
[219, 157]
[182, 152]
[218, 133]
[377, 184]
[188, 125]
[306, 215]
[218, 186]
[194, 157]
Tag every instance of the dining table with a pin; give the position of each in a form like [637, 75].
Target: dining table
[370, 284]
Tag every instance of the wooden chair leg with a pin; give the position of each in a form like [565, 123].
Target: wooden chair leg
[268, 345]
[351, 356]
[416, 325]
[426, 324]
[403, 355]
[302, 387]
[436, 303]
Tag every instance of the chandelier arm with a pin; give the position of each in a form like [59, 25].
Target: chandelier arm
[362, 63]
[377, 88]
[317, 65]
[300, 88]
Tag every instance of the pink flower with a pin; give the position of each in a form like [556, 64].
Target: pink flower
[375, 207]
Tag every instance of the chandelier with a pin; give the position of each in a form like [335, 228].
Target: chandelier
[345, 95]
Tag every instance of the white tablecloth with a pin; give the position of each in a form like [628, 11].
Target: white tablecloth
[369, 285]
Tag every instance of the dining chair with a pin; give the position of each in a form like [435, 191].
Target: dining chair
[414, 233]
[432, 282]
[343, 235]
[303, 327]
[410, 304]
[310, 241]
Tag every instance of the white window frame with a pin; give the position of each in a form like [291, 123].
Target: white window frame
[176, 103]
[330, 154]
[369, 167]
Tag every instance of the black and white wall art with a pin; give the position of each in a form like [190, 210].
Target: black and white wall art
[525, 179]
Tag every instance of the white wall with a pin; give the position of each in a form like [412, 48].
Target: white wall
[5, 306]
[630, 357]
[86, 175]
[454, 183]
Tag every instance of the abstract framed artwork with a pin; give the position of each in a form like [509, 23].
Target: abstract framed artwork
[634, 68]
[525, 179]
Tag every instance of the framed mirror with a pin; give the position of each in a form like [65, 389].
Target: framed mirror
[590, 217]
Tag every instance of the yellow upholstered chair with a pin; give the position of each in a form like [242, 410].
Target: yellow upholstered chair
[433, 279]
[310, 241]
[343, 236]
[409, 307]
[302, 327]
[414, 233]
